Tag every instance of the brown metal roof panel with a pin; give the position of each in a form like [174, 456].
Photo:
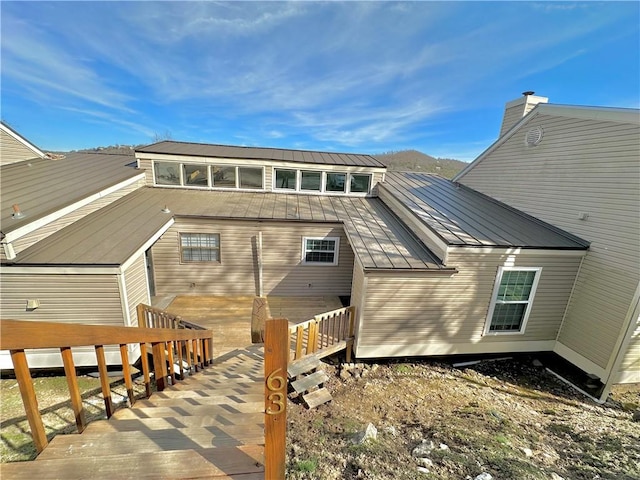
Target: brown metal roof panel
[44, 186]
[472, 218]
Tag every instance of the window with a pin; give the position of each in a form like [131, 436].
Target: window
[167, 173]
[250, 177]
[224, 176]
[320, 251]
[336, 182]
[512, 298]
[200, 247]
[285, 179]
[310, 181]
[360, 183]
[196, 175]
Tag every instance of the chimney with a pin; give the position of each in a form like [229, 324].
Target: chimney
[518, 108]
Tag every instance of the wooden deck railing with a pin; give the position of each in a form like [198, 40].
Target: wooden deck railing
[326, 333]
[177, 353]
[18, 336]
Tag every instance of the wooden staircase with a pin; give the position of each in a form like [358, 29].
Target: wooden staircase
[211, 425]
[307, 379]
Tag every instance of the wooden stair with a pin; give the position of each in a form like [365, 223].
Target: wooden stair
[307, 379]
[209, 426]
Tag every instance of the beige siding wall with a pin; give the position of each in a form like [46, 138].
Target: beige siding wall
[82, 299]
[435, 315]
[512, 116]
[137, 286]
[588, 166]
[43, 232]
[236, 274]
[11, 150]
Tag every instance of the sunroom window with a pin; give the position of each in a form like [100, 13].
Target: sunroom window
[167, 173]
[320, 251]
[360, 183]
[285, 179]
[200, 247]
[250, 177]
[196, 175]
[310, 181]
[336, 182]
[512, 299]
[224, 176]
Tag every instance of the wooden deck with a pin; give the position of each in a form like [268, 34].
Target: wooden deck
[230, 317]
[209, 426]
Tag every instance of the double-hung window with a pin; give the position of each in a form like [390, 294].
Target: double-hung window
[512, 299]
[199, 247]
[320, 251]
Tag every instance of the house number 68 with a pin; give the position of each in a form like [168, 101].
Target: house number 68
[276, 398]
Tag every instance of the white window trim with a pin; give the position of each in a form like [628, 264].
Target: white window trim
[297, 180]
[494, 297]
[323, 182]
[319, 264]
[210, 182]
[207, 262]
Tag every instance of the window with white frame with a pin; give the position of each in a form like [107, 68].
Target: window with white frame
[251, 178]
[360, 183]
[285, 179]
[196, 175]
[167, 173]
[320, 250]
[336, 182]
[199, 247]
[512, 299]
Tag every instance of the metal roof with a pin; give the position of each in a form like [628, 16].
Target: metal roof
[113, 234]
[462, 216]
[169, 147]
[43, 185]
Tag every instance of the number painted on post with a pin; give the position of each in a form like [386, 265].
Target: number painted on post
[275, 383]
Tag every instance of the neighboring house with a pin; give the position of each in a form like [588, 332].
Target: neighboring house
[578, 168]
[434, 267]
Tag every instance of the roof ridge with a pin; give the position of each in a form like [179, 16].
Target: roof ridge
[253, 147]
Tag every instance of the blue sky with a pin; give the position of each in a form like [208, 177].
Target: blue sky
[363, 77]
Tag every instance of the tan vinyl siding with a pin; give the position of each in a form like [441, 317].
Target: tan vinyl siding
[11, 150]
[581, 165]
[236, 274]
[146, 165]
[43, 232]
[136, 283]
[431, 315]
[81, 299]
[512, 116]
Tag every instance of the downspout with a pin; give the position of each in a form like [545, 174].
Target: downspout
[260, 285]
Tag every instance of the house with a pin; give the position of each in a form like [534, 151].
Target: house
[578, 168]
[434, 267]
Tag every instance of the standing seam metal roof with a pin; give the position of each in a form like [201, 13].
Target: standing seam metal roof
[168, 147]
[111, 235]
[42, 186]
[464, 217]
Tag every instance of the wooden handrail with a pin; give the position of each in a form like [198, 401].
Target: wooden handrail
[324, 331]
[20, 335]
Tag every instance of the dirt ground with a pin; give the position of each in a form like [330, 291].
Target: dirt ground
[508, 418]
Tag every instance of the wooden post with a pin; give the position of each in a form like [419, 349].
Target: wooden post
[172, 372]
[187, 356]
[145, 369]
[142, 316]
[126, 372]
[104, 380]
[159, 365]
[28, 393]
[276, 355]
[259, 315]
[180, 346]
[74, 390]
[299, 341]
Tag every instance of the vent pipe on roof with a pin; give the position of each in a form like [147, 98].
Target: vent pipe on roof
[518, 108]
[17, 214]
